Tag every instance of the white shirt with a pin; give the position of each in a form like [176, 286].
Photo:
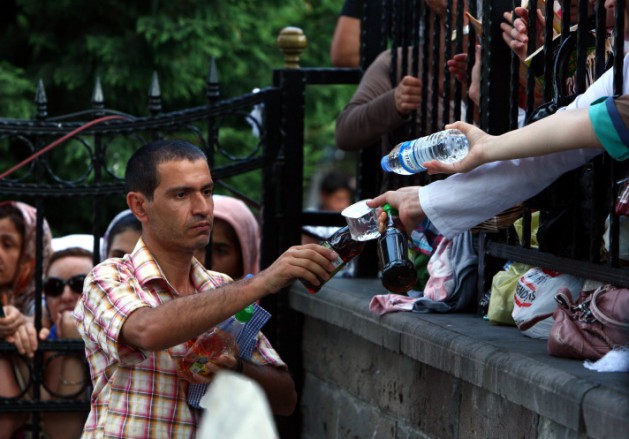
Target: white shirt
[463, 201]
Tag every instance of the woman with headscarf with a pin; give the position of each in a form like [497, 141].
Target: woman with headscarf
[121, 235]
[235, 238]
[17, 290]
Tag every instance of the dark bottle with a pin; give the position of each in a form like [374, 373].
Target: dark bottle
[398, 272]
[342, 243]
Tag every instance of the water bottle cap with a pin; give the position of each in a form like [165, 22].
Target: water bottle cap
[384, 164]
[245, 315]
[389, 209]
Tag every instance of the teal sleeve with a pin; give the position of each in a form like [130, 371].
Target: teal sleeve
[610, 127]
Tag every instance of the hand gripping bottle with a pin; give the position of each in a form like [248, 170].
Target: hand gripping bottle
[220, 340]
[342, 243]
[406, 158]
[398, 272]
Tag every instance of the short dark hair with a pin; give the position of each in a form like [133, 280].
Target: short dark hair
[141, 173]
[334, 181]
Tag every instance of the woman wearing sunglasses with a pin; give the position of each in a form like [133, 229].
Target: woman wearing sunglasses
[65, 375]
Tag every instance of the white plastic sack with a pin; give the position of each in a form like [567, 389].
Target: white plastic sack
[236, 407]
[534, 299]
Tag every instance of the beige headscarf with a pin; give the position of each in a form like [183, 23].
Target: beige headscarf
[22, 293]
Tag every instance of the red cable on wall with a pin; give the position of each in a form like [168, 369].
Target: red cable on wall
[58, 141]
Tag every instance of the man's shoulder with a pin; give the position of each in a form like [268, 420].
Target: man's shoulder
[113, 267]
[383, 59]
[208, 280]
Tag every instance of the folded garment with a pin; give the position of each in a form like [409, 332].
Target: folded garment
[384, 303]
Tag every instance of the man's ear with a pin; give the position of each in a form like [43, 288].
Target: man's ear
[136, 202]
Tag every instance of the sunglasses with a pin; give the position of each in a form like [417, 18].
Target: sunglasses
[53, 286]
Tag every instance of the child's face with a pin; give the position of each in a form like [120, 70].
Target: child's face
[336, 201]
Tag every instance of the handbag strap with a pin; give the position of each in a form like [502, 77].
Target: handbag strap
[600, 315]
[560, 67]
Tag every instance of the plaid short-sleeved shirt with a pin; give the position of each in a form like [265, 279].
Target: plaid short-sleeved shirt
[137, 394]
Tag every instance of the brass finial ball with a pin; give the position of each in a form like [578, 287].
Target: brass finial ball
[292, 43]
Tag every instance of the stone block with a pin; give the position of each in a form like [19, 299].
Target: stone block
[389, 381]
[331, 413]
[485, 415]
[548, 429]
[606, 412]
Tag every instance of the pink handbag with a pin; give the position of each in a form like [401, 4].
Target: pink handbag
[591, 326]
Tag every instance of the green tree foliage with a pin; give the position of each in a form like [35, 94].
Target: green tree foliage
[69, 43]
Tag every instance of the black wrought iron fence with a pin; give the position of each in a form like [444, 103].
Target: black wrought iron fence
[508, 91]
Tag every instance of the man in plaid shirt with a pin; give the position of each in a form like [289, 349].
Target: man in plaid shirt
[137, 312]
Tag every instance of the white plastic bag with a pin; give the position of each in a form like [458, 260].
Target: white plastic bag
[534, 299]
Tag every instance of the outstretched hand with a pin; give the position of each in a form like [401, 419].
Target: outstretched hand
[25, 339]
[515, 31]
[11, 321]
[477, 138]
[310, 262]
[408, 95]
[458, 68]
[406, 201]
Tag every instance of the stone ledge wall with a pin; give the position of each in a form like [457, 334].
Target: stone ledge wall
[356, 389]
[406, 375]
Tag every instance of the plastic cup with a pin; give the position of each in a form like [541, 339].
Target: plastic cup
[362, 221]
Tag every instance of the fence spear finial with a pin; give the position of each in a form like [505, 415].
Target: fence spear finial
[155, 96]
[98, 98]
[213, 83]
[41, 101]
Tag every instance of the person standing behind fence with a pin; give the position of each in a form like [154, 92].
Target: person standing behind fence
[65, 375]
[17, 285]
[345, 46]
[235, 242]
[137, 313]
[121, 235]
[378, 107]
[336, 192]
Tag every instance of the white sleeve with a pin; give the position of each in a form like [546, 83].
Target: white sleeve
[462, 201]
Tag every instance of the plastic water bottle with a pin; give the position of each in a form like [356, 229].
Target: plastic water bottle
[406, 158]
[235, 324]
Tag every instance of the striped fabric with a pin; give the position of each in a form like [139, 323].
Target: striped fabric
[609, 117]
[249, 338]
[136, 394]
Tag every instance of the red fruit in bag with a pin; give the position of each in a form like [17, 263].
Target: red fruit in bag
[194, 365]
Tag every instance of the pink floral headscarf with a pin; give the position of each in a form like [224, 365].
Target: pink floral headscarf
[22, 292]
[237, 214]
